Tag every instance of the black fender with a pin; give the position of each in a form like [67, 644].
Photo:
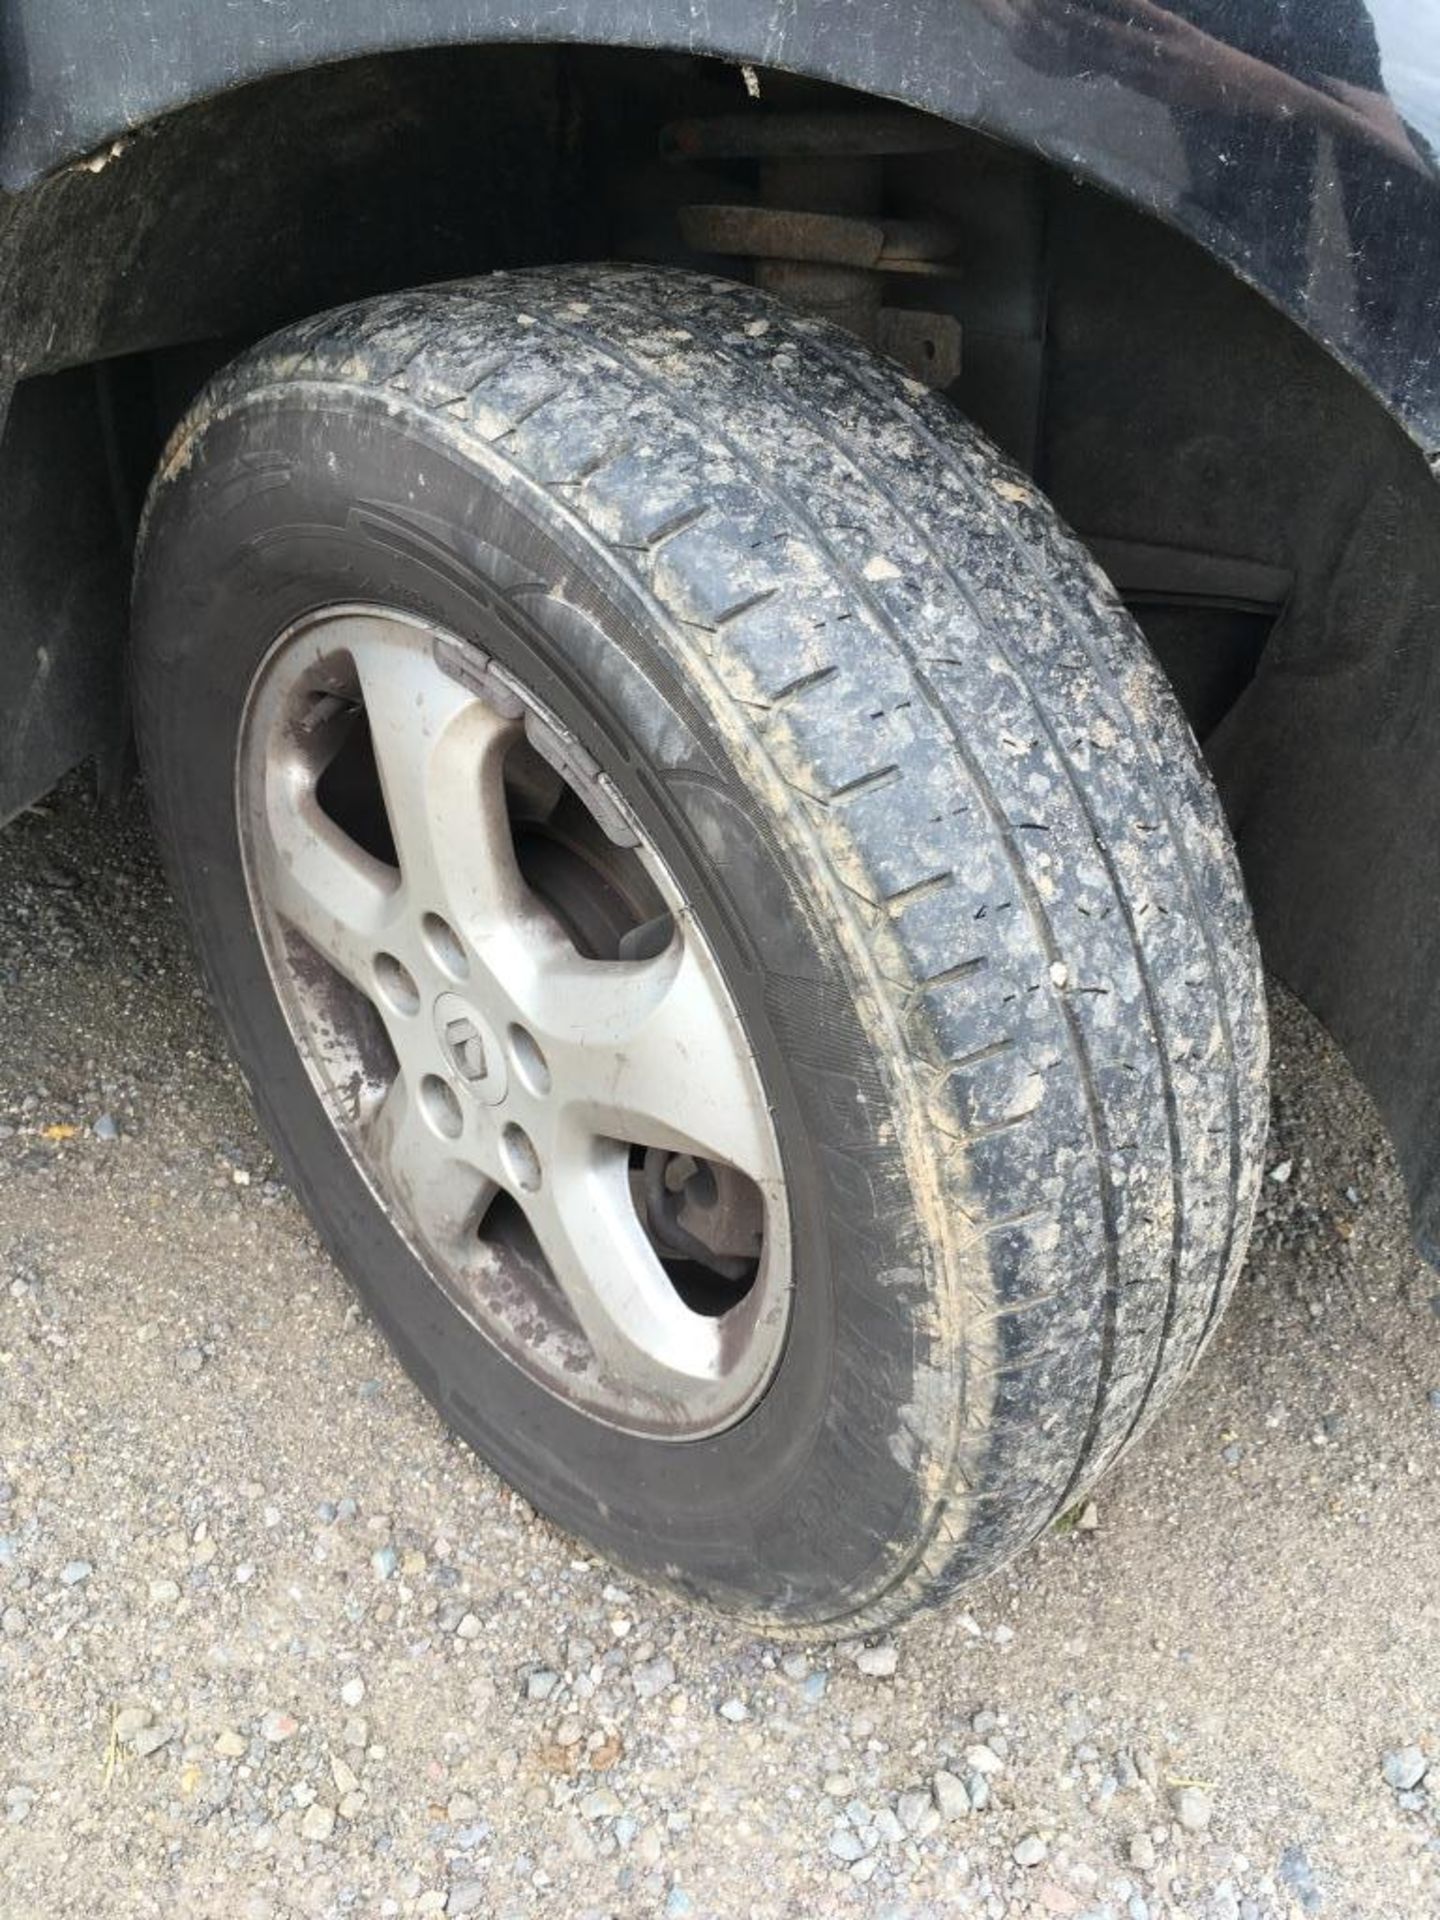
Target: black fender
[1280, 147]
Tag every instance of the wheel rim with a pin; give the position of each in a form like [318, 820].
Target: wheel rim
[516, 1025]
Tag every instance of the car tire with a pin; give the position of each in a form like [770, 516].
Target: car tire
[918, 797]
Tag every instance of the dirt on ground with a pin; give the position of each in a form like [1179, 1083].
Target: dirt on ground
[272, 1644]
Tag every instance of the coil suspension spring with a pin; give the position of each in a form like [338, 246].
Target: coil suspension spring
[816, 235]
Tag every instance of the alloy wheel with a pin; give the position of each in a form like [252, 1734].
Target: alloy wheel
[515, 1022]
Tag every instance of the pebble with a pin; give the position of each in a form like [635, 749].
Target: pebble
[385, 1560]
[318, 1822]
[652, 1677]
[879, 1662]
[1030, 1851]
[1295, 1870]
[75, 1573]
[353, 1691]
[734, 1710]
[131, 1720]
[276, 1727]
[1141, 1852]
[983, 1760]
[1405, 1768]
[540, 1683]
[1192, 1808]
[105, 1127]
[888, 1826]
[469, 1627]
[846, 1844]
[917, 1812]
[951, 1798]
[230, 1745]
[466, 1896]
[602, 1803]
[151, 1740]
[163, 1593]
[1224, 1902]
[18, 1802]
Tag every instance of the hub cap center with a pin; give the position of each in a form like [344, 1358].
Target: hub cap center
[471, 1048]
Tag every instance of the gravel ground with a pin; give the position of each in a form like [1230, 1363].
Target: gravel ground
[271, 1644]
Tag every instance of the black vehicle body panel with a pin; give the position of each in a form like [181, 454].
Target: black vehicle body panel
[1270, 140]
[1294, 141]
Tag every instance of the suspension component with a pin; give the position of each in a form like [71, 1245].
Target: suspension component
[817, 236]
[702, 1210]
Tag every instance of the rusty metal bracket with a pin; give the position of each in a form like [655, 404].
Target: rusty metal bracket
[817, 237]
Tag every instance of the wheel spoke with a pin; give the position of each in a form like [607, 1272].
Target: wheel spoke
[440, 750]
[439, 1185]
[647, 1051]
[639, 1329]
[321, 884]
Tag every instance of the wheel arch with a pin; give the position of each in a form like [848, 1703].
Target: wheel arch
[1310, 214]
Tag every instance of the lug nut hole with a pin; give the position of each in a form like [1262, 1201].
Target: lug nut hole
[444, 944]
[441, 1107]
[521, 1159]
[397, 986]
[530, 1062]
